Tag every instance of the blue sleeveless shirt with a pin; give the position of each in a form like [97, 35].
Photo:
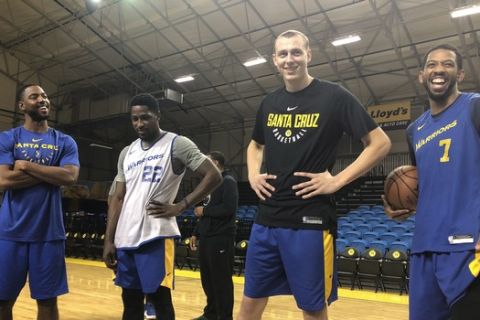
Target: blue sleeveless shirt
[446, 150]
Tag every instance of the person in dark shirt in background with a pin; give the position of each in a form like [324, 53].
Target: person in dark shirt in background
[216, 232]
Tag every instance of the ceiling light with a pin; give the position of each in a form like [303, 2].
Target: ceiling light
[255, 61]
[465, 11]
[184, 79]
[346, 40]
[102, 146]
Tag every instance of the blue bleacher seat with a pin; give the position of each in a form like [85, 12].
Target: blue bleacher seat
[359, 245]
[341, 244]
[370, 236]
[400, 245]
[389, 237]
[357, 220]
[409, 224]
[342, 220]
[406, 236]
[354, 213]
[373, 221]
[367, 214]
[380, 228]
[380, 245]
[352, 235]
[249, 216]
[363, 227]
[347, 227]
[241, 211]
[379, 214]
[340, 233]
[390, 223]
[399, 229]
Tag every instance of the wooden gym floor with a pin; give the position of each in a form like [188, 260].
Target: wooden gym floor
[93, 296]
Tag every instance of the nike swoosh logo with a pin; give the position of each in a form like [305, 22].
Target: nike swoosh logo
[420, 127]
[36, 140]
[291, 108]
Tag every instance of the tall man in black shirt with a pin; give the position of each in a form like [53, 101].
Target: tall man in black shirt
[297, 130]
[216, 232]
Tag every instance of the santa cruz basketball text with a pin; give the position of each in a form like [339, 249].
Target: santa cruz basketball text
[285, 120]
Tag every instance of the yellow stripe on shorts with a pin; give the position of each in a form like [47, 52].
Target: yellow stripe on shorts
[169, 263]
[474, 266]
[329, 255]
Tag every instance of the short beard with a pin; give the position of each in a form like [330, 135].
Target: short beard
[36, 117]
[441, 97]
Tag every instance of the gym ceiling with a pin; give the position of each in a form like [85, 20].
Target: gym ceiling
[102, 49]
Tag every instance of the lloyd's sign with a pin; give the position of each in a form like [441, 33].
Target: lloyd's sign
[391, 116]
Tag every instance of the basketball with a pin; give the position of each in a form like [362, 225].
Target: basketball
[401, 188]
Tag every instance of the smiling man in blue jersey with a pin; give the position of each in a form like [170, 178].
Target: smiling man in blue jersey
[298, 129]
[445, 146]
[35, 160]
[141, 226]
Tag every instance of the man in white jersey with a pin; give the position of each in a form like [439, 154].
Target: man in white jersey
[141, 226]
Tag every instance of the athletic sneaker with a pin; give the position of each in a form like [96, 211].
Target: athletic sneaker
[150, 311]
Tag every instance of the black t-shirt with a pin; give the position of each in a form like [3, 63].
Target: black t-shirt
[301, 132]
[219, 210]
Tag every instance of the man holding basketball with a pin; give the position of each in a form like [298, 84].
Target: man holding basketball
[445, 147]
[298, 127]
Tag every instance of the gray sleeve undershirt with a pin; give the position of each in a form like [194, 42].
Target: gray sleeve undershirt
[185, 154]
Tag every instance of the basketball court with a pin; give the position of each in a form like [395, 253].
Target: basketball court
[93, 296]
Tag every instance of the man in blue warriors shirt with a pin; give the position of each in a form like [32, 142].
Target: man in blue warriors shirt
[445, 146]
[35, 160]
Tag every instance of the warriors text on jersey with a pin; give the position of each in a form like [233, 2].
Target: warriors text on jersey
[149, 176]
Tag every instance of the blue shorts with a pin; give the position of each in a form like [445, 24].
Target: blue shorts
[146, 267]
[441, 279]
[43, 261]
[291, 261]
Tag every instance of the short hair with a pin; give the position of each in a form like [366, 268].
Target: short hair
[290, 34]
[218, 156]
[147, 100]
[21, 91]
[458, 55]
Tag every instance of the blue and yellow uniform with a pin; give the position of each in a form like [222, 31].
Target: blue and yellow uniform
[446, 150]
[32, 233]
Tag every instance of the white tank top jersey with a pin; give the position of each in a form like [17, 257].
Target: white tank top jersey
[148, 176]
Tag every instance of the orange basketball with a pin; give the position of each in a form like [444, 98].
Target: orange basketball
[401, 188]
